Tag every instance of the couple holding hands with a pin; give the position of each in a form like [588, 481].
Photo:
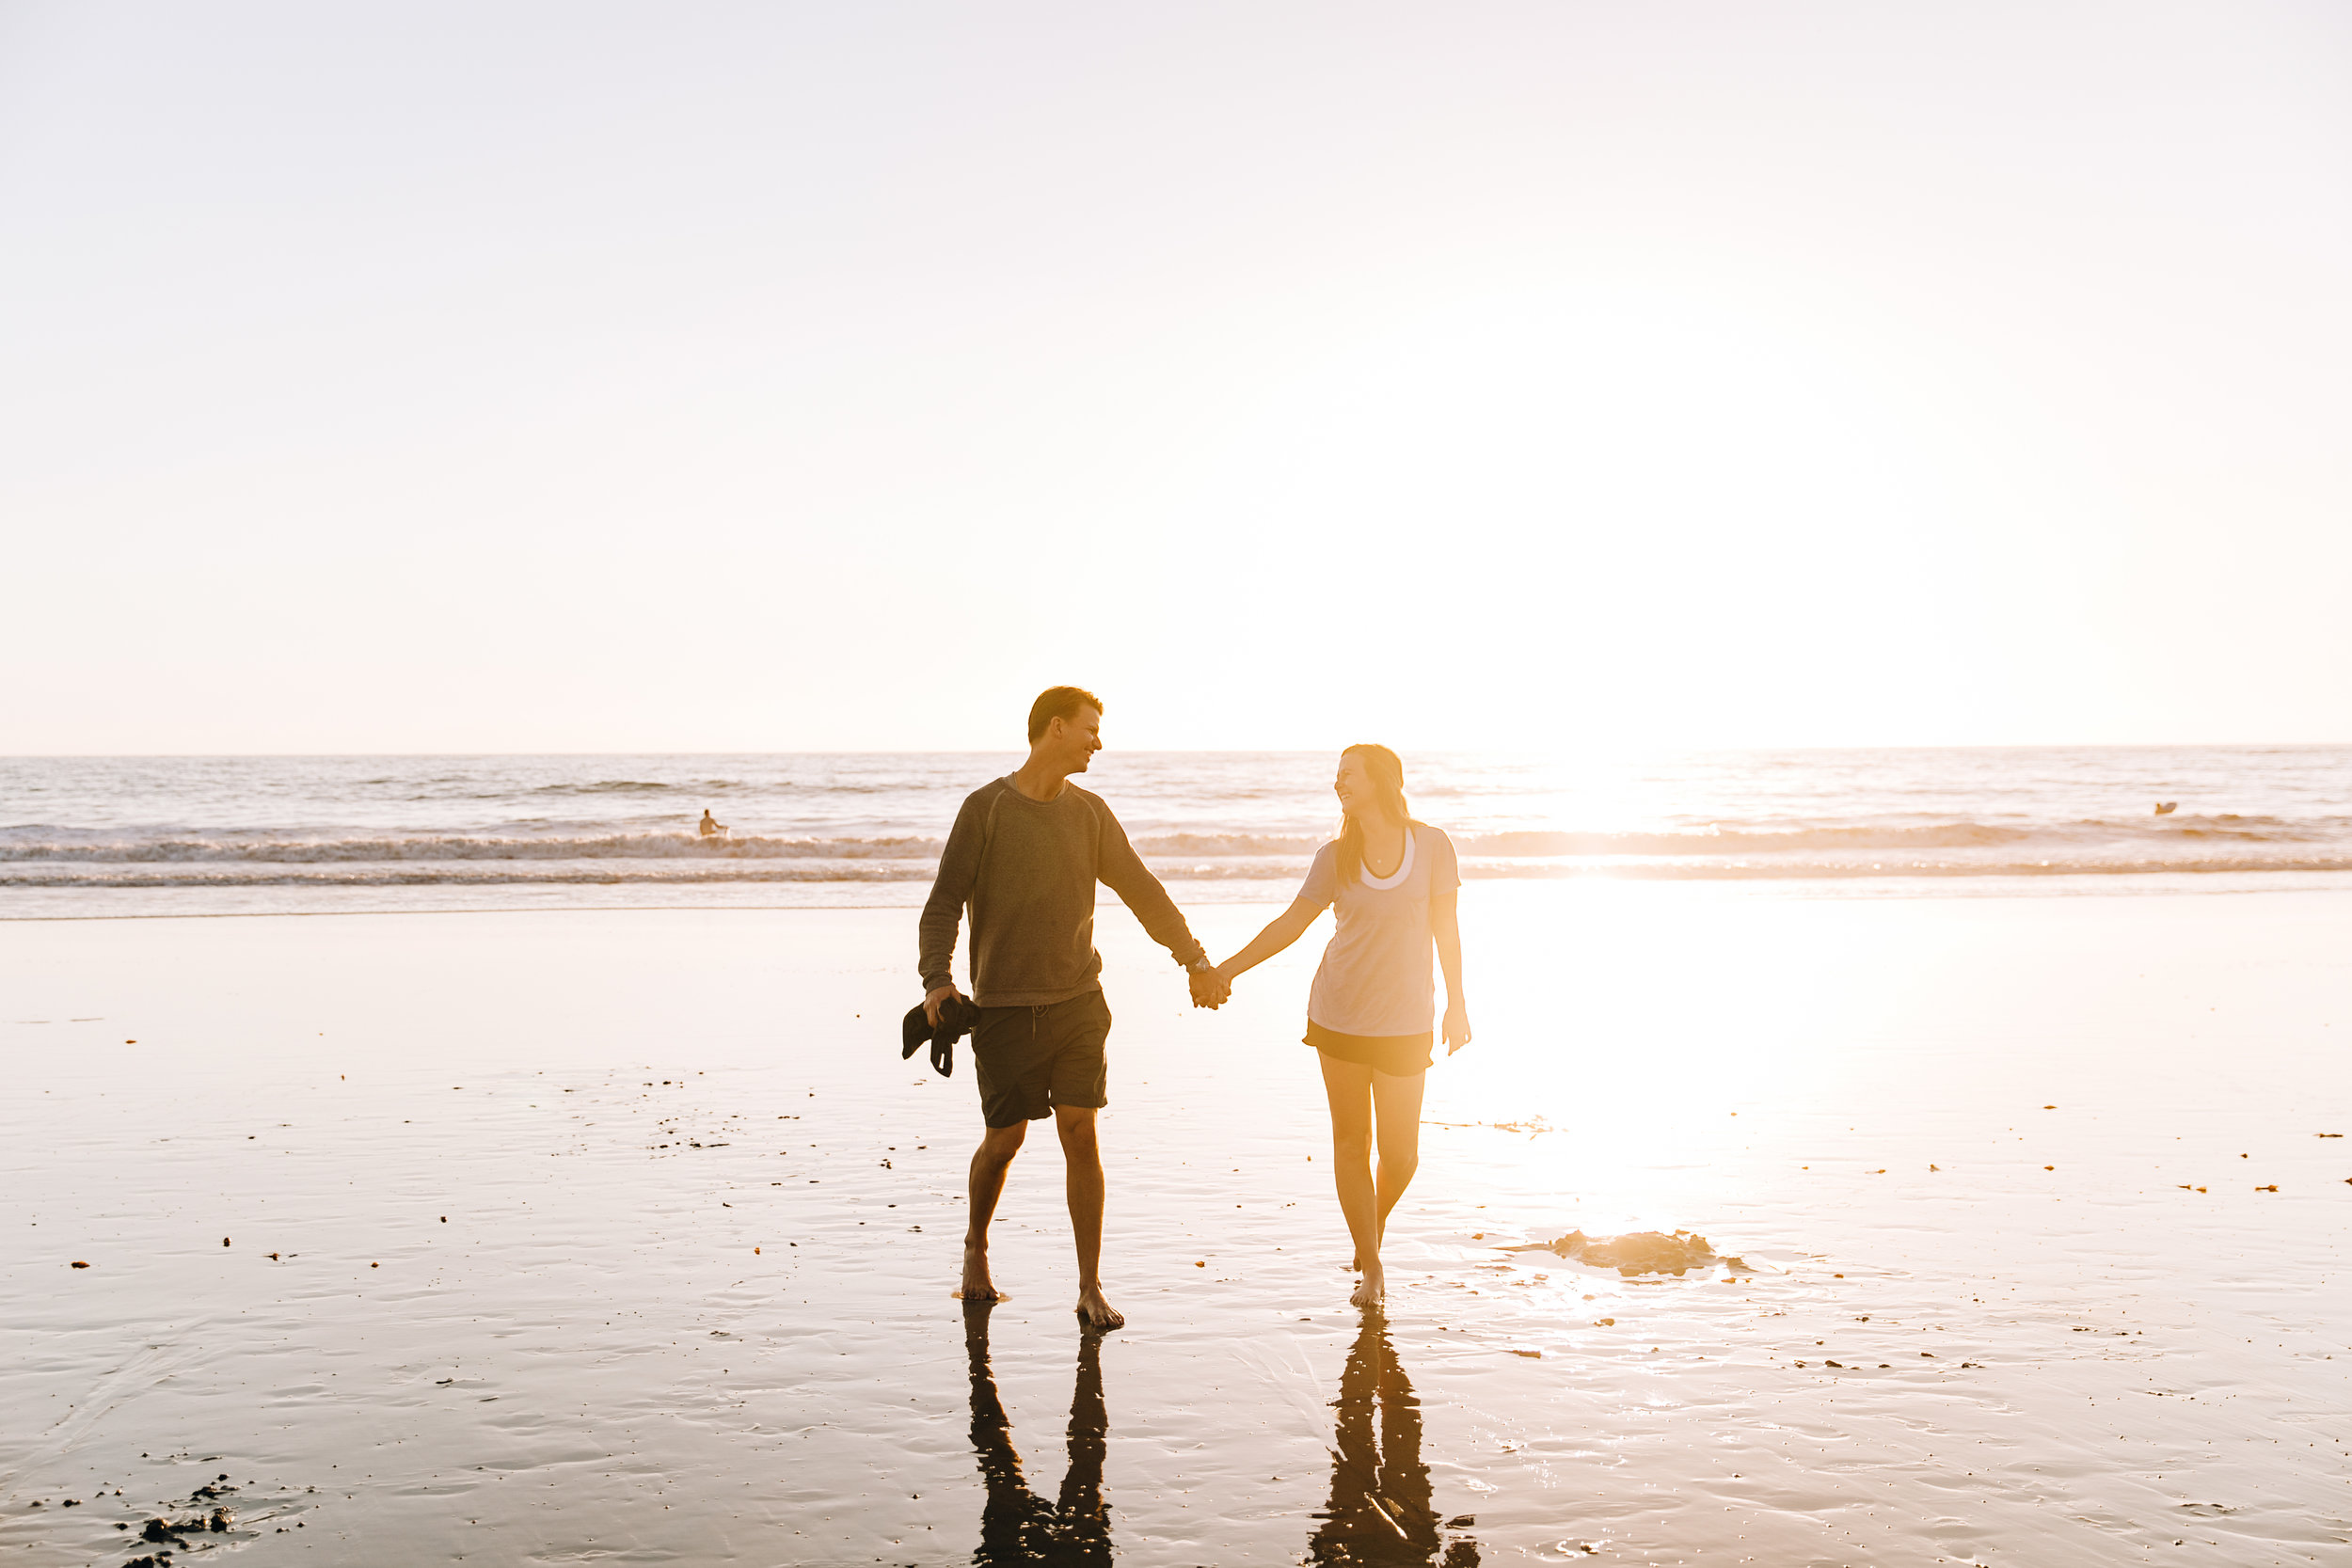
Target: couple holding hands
[1023, 856]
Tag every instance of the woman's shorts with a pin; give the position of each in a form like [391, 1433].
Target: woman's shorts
[1398, 1056]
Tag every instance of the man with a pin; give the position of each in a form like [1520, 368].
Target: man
[1025, 853]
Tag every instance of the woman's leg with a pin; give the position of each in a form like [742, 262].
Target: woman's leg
[1396, 1112]
[1349, 1086]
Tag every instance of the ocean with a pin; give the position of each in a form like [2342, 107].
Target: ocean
[109, 836]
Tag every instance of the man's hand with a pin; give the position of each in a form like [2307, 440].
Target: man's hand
[1210, 987]
[1457, 1029]
[932, 1001]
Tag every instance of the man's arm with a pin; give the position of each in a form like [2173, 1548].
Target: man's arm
[943, 911]
[1123, 872]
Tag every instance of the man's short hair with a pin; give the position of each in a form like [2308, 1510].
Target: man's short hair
[1058, 702]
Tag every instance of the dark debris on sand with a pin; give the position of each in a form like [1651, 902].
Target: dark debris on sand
[208, 1520]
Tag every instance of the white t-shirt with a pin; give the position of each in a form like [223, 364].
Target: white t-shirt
[1374, 979]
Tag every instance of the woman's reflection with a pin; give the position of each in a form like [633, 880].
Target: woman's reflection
[1017, 1525]
[1379, 1511]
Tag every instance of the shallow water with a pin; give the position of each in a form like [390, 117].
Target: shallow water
[2047, 1350]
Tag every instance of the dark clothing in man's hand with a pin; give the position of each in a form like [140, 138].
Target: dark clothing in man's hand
[957, 1019]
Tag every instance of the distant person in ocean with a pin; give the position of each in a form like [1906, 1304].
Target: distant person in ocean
[1393, 883]
[1025, 854]
[710, 829]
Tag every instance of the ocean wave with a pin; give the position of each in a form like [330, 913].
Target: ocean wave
[2162, 839]
[1222, 844]
[468, 876]
[1283, 871]
[1716, 839]
[454, 846]
[614, 787]
[1742, 869]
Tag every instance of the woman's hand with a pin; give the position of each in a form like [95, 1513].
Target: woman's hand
[1457, 1029]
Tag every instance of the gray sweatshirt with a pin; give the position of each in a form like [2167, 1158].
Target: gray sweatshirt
[1028, 869]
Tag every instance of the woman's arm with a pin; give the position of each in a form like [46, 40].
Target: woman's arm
[1281, 932]
[1445, 925]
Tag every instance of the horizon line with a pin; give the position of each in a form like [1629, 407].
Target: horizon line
[1206, 752]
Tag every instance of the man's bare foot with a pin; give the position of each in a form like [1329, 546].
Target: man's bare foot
[1097, 1312]
[1370, 1290]
[977, 1286]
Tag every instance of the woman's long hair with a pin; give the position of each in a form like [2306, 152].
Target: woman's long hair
[1387, 773]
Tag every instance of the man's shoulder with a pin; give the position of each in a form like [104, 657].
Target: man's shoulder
[978, 811]
[988, 792]
[1090, 801]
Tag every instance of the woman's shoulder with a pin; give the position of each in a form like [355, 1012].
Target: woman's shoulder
[1430, 835]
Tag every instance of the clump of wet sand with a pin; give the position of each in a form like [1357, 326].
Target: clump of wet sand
[1637, 1252]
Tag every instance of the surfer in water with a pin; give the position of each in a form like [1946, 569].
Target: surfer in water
[710, 829]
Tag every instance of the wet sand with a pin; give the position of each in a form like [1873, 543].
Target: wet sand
[1998, 1164]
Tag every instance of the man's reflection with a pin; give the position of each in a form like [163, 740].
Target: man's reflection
[1379, 1511]
[1017, 1525]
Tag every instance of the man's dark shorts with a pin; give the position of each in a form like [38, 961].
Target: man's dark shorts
[1031, 1059]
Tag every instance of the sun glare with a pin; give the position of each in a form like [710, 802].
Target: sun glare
[1674, 512]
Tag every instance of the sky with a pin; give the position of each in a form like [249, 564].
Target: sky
[522, 377]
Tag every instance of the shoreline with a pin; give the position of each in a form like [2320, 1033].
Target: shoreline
[1209, 892]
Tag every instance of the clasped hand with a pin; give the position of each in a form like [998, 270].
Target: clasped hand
[1210, 987]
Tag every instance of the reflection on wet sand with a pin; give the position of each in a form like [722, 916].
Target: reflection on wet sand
[1379, 1511]
[1017, 1525]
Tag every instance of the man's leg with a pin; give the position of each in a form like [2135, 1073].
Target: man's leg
[1396, 1110]
[1348, 1086]
[990, 1162]
[1084, 1158]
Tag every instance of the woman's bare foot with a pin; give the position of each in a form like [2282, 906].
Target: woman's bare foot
[1097, 1312]
[977, 1286]
[1371, 1290]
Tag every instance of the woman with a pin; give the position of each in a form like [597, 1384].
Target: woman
[1393, 882]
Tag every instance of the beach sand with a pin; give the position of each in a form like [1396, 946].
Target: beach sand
[627, 1237]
